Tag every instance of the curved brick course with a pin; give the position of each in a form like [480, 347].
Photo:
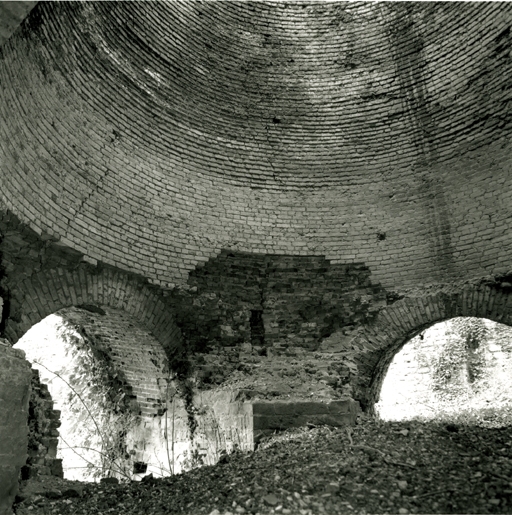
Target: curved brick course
[395, 325]
[134, 353]
[150, 136]
[48, 291]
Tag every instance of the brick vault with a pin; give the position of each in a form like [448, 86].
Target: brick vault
[297, 177]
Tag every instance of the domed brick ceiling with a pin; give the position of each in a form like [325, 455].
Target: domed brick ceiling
[152, 135]
[11, 15]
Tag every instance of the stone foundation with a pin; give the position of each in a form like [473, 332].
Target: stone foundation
[15, 378]
[226, 422]
[272, 416]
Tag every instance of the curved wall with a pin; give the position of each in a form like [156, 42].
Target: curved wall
[378, 342]
[150, 136]
[130, 349]
[11, 15]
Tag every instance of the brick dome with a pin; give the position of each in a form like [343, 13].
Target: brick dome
[152, 135]
[280, 194]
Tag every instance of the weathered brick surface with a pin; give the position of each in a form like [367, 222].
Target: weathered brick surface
[304, 301]
[41, 278]
[43, 424]
[226, 422]
[136, 356]
[301, 300]
[142, 140]
[368, 133]
[15, 376]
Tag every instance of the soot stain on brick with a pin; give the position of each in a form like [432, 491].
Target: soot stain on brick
[501, 282]
[275, 299]
[407, 46]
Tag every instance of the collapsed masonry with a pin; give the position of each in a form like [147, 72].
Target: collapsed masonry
[43, 434]
[225, 421]
[280, 195]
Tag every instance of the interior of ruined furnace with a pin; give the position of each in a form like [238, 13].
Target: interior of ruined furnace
[259, 186]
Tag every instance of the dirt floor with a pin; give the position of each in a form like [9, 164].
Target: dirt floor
[376, 467]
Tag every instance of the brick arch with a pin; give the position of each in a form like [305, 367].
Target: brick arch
[395, 325]
[48, 291]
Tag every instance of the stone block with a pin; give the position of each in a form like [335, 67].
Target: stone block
[344, 406]
[264, 422]
[311, 408]
[279, 408]
[56, 468]
[14, 397]
[279, 415]
[263, 408]
[296, 414]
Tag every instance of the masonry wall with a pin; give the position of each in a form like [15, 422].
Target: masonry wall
[99, 357]
[43, 434]
[15, 377]
[365, 133]
[280, 173]
[272, 301]
[166, 444]
[130, 351]
[134, 353]
[39, 276]
[226, 422]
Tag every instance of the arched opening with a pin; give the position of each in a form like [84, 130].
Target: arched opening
[106, 375]
[456, 370]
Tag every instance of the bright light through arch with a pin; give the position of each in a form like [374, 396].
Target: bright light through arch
[49, 353]
[458, 370]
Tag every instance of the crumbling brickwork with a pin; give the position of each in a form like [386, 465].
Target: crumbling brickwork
[265, 177]
[273, 301]
[43, 436]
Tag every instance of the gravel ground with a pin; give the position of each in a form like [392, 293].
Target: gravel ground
[376, 467]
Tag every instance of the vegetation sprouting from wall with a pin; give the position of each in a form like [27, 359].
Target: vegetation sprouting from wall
[97, 410]
[455, 369]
